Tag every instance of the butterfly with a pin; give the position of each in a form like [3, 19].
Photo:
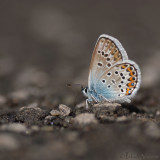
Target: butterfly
[112, 76]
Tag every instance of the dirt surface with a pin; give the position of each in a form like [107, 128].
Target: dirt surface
[104, 131]
[46, 44]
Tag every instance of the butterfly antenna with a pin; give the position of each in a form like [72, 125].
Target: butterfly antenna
[70, 85]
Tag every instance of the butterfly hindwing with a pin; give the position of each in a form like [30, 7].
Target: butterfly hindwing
[120, 83]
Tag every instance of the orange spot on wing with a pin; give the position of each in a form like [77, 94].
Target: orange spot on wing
[124, 66]
[131, 73]
[131, 84]
[127, 91]
[132, 78]
[129, 69]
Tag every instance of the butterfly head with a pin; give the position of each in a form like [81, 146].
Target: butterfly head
[85, 91]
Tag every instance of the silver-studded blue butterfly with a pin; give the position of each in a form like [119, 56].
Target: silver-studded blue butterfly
[112, 76]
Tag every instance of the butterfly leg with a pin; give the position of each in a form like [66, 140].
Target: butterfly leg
[91, 101]
[87, 104]
[105, 100]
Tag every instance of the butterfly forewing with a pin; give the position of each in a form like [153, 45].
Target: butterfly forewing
[107, 52]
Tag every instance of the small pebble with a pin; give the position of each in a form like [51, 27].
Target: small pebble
[81, 105]
[55, 112]
[48, 117]
[108, 105]
[64, 110]
[48, 120]
[14, 127]
[30, 107]
[122, 119]
[85, 118]
[134, 113]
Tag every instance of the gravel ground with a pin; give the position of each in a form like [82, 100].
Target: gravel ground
[46, 44]
[104, 131]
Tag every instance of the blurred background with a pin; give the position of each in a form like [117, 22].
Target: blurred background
[46, 44]
[49, 43]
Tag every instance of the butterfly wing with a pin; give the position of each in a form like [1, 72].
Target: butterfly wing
[108, 51]
[106, 74]
[120, 83]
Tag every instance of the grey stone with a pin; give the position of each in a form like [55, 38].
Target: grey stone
[31, 115]
[55, 112]
[107, 105]
[64, 110]
[122, 119]
[85, 118]
[14, 127]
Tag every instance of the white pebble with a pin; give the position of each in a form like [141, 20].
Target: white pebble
[85, 118]
[64, 110]
[14, 127]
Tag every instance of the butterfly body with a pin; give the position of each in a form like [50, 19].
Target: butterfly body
[112, 77]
